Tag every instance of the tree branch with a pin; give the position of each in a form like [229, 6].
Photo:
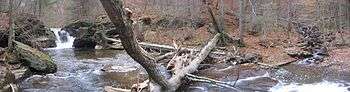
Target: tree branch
[115, 11]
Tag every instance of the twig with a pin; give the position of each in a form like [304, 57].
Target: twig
[164, 56]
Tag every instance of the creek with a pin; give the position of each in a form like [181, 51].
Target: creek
[82, 70]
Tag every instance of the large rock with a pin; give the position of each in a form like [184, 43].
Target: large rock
[85, 39]
[31, 31]
[73, 29]
[124, 74]
[37, 61]
[85, 33]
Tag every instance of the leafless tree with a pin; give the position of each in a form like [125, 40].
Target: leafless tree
[241, 19]
[10, 30]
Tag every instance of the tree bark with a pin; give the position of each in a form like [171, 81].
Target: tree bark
[157, 73]
[241, 19]
[11, 31]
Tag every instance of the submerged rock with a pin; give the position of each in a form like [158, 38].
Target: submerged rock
[125, 75]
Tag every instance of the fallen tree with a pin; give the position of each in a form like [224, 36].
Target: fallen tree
[161, 79]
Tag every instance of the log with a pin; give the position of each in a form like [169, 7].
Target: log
[175, 81]
[167, 48]
[37, 60]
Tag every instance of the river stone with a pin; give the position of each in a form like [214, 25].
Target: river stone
[125, 75]
[258, 84]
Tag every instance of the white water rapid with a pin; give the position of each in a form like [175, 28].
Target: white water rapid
[62, 44]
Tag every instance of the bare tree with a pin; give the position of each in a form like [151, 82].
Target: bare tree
[241, 19]
[11, 31]
[338, 10]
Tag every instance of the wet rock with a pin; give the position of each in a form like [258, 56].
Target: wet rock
[112, 89]
[85, 39]
[259, 84]
[37, 61]
[63, 35]
[73, 28]
[252, 58]
[125, 75]
[86, 43]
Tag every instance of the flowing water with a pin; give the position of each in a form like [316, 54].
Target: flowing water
[92, 70]
[63, 44]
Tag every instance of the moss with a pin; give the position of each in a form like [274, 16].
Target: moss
[37, 60]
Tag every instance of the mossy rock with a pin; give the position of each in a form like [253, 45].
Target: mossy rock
[37, 61]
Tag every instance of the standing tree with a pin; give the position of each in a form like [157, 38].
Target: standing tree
[10, 30]
[241, 20]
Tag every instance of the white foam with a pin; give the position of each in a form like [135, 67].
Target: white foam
[323, 86]
[60, 44]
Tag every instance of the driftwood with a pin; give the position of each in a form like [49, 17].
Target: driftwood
[37, 60]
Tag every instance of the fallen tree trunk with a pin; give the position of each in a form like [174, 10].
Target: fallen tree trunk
[160, 78]
[166, 47]
[37, 60]
[192, 67]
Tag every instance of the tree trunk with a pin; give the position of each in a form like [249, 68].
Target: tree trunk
[241, 19]
[157, 73]
[11, 31]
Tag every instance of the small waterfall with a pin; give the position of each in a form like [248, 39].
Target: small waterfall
[64, 40]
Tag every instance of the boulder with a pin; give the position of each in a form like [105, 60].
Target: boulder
[73, 28]
[31, 31]
[36, 60]
[124, 74]
[85, 43]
